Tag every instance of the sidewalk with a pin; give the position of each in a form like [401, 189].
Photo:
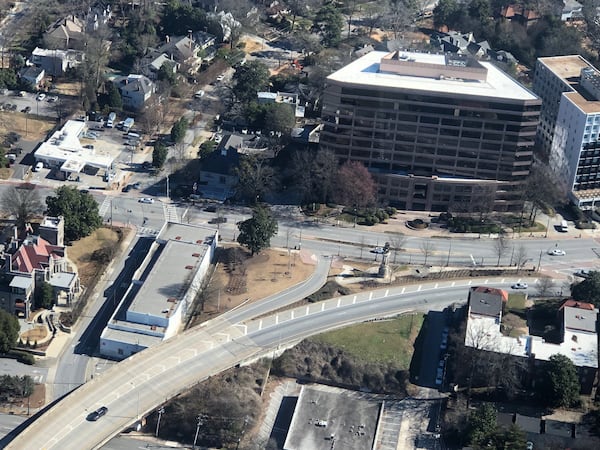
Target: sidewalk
[62, 340]
[435, 230]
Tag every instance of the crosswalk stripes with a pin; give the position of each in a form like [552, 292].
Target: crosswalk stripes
[104, 206]
[171, 214]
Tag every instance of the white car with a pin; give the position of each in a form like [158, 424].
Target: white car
[40, 97]
[519, 286]
[146, 200]
[556, 252]
[39, 166]
[220, 77]
[199, 94]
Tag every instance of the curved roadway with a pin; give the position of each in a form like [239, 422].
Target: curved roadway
[146, 380]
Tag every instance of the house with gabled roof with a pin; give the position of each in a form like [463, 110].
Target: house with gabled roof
[184, 50]
[33, 260]
[135, 90]
[65, 33]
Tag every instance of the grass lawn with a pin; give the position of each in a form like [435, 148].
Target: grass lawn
[516, 302]
[389, 341]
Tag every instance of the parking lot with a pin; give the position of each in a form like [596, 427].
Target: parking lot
[13, 101]
[101, 140]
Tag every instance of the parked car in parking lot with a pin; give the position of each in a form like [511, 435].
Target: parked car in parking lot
[26, 109]
[583, 273]
[41, 96]
[39, 166]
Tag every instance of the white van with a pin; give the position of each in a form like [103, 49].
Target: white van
[39, 166]
[111, 120]
[133, 136]
[564, 227]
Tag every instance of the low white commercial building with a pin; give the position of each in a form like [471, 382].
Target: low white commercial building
[64, 151]
[161, 291]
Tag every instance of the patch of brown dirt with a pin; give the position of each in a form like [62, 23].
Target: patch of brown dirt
[240, 278]
[81, 252]
[19, 406]
[35, 334]
[32, 128]
[68, 88]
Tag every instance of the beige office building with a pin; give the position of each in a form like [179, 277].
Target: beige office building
[437, 131]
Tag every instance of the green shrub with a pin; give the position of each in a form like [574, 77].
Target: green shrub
[382, 215]
[23, 357]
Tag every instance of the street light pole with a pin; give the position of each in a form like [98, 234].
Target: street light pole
[199, 418]
[161, 411]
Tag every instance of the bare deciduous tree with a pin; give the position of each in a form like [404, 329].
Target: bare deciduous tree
[500, 247]
[396, 244]
[427, 248]
[520, 257]
[545, 287]
[23, 204]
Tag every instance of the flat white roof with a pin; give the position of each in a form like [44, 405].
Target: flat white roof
[126, 337]
[64, 146]
[162, 289]
[484, 333]
[21, 282]
[365, 71]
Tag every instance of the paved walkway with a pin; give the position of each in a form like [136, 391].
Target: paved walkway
[398, 225]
